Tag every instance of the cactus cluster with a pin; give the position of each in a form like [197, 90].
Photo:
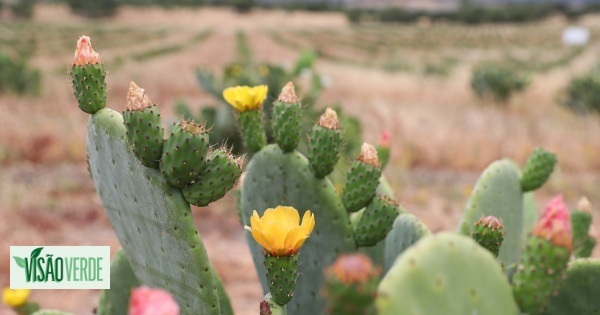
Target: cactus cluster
[503, 260]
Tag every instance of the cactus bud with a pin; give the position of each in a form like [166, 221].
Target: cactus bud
[581, 221]
[489, 233]
[329, 119]
[383, 148]
[362, 179]
[287, 119]
[555, 224]
[247, 101]
[351, 284]
[368, 155]
[84, 53]
[147, 301]
[584, 205]
[324, 145]
[137, 98]
[88, 77]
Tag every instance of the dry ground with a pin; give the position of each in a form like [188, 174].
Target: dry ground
[442, 136]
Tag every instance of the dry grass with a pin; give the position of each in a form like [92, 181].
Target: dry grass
[442, 136]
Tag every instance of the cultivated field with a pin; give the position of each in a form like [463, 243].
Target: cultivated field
[412, 80]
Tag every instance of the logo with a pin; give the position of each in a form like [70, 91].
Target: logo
[60, 267]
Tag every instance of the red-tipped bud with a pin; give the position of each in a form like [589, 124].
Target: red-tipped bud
[353, 268]
[148, 301]
[84, 53]
[385, 140]
[555, 224]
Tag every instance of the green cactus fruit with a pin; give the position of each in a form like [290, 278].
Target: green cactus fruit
[530, 213]
[406, 231]
[538, 169]
[351, 284]
[498, 193]
[51, 312]
[144, 128]
[88, 77]
[544, 258]
[274, 178]
[115, 301]
[287, 119]
[362, 179]
[151, 219]
[446, 274]
[282, 273]
[539, 274]
[217, 177]
[252, 129]
[489, 233]
[325, 144]
[383, 149]
[376, 221]
[184, 153]
[581, 220]
[578, 293]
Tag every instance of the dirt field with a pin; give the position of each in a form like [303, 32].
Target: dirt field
[443, 137]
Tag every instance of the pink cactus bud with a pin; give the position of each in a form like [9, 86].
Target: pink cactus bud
[555, 224]
[84, 53]
[385, 140]
[148, 301]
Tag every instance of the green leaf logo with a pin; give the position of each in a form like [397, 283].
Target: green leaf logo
[35, 253]
[20, 261]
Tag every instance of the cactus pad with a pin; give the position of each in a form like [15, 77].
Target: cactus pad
[376, 221]
[324, 150]
[579, 292]
[406, 230]
[287, 125]
[153, 222]
[538, 169]
[145, 133]
[122, 280]
[361, 183]
[446, 274]
[275, 178]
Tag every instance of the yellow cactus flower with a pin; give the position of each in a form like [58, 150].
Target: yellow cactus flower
[279, 230]
[15, 297]
[244, 98]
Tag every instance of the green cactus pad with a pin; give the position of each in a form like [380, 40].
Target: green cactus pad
[89, 87]
[252, 129]
[361, 182]
[538, 169]
[324, 150]
[376, 221]
[406, 231]
[287, 125]
[530, 213]
[122, 280]
[583, 243]
[489, 233]
[275, 178]
[28, 308]
[539, 274]
[579, 292]
[217, 177]
[152, 221]
[184, 153]
[282, 273]
[498, 193]
[446, 274]
[383, 153]
[224, 301]
[145, 133]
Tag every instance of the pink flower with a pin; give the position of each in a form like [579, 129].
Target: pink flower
[385, 141]
[555, 224]
[148, 301]
[84, 53]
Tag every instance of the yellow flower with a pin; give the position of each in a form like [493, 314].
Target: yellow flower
[279, 231]
[16, 297]
[244, 98]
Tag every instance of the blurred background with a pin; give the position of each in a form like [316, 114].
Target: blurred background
[456, 84]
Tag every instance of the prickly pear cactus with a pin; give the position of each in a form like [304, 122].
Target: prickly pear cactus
[446, 274]
[122, 280]
[498, 193]
[406, 231]
[152, 220]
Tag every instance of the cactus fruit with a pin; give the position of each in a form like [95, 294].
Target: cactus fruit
[144, 129]
[362, 179]
[445, 274]
[115, 301]
[538, 168]
[498, 193]
[248, 104]
[184, 153]
[324, 146]
[544, 259]
[581, 220]
[88, 77]
[351, 285]
[406, 231]
[376, 221]
[287, 119]
[383, 149]
[151, 301]
[578, 294]
[153, 222]
[282, 274]
[489, 233]
[216, 178]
